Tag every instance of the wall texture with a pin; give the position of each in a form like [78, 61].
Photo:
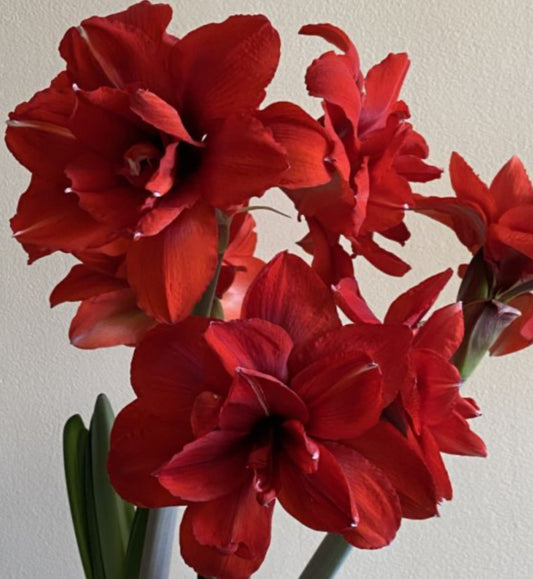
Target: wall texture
[470, 88]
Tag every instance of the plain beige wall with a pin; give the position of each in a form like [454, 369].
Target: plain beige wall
[470, 88]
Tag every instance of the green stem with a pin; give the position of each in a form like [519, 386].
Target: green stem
[161, 525]
[328, 558]
[158, 543]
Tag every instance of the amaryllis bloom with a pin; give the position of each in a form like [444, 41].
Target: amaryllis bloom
[431, 413]
[143, 140]
[363, 154]
[495, 223]
[231, 417]
[109, 315]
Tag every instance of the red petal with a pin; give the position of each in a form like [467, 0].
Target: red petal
[207, 468]
[343, 395]
[413, 305]
[235, 523]
[305, 141]
[335, 36]
[142, 441]
[326, 489]
[467, 220]
[332, 204]
[109, 319]
[209, 561]
[468, 186]
[438, 383]
[167, 210]
[162, 180]
[175, 362]
[48, 218]
[382, 86]
[387, 345]
[435, 464]
[330, 261]
[454, 436]
[246, 270]
[377, 502]
[511, 187]
[171, 270]
[255, 396]
[399, 458]
[158, 113]
[42, 125]
[352, 303]
[81, 283]
[384, 260]
[307, 307]
[103, 122]
[519, 334]
[241, 160]
[238, 59]
[443, 332]
[513, 230]
[331, 77]
[120, 49]
[251, 344]
[103, 194]
[302, 450]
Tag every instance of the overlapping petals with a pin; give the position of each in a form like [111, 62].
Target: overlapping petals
[275, 406]
[359, 158]
[428, 416]
[109, 313]
[142, 150]
[494, 223]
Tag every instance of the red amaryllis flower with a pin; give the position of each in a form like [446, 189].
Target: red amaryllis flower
[231, 416]
[495, 223]
[363, 155]
[497, 218]
[142, 140]
[109, 315]
[431, 414]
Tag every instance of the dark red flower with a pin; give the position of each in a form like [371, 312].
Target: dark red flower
[279, 405]
[142, 140]
[495, 223]
[362, 155]
[430, 413]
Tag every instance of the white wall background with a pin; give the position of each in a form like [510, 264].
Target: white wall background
[470, 88]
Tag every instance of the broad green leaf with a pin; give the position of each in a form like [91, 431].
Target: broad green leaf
[113, 515]
[75, 449]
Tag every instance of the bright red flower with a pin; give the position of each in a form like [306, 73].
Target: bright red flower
[109, 315]
[362, 155]
[431, 413]
[494, 222]
[145, 136]
[279, 405]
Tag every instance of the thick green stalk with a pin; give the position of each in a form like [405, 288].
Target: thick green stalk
[328, 558]
[161, 524]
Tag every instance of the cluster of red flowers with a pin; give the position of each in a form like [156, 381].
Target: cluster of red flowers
[144, 155]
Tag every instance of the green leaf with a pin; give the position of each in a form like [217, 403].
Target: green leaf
[132, 565]
[75, 450]
[113, 515]
[92, 524]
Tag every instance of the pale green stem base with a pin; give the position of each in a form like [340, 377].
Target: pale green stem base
[157, 550]
[328, 558]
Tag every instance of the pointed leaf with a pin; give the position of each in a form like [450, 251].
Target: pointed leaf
[75, 447]
[113, 515]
